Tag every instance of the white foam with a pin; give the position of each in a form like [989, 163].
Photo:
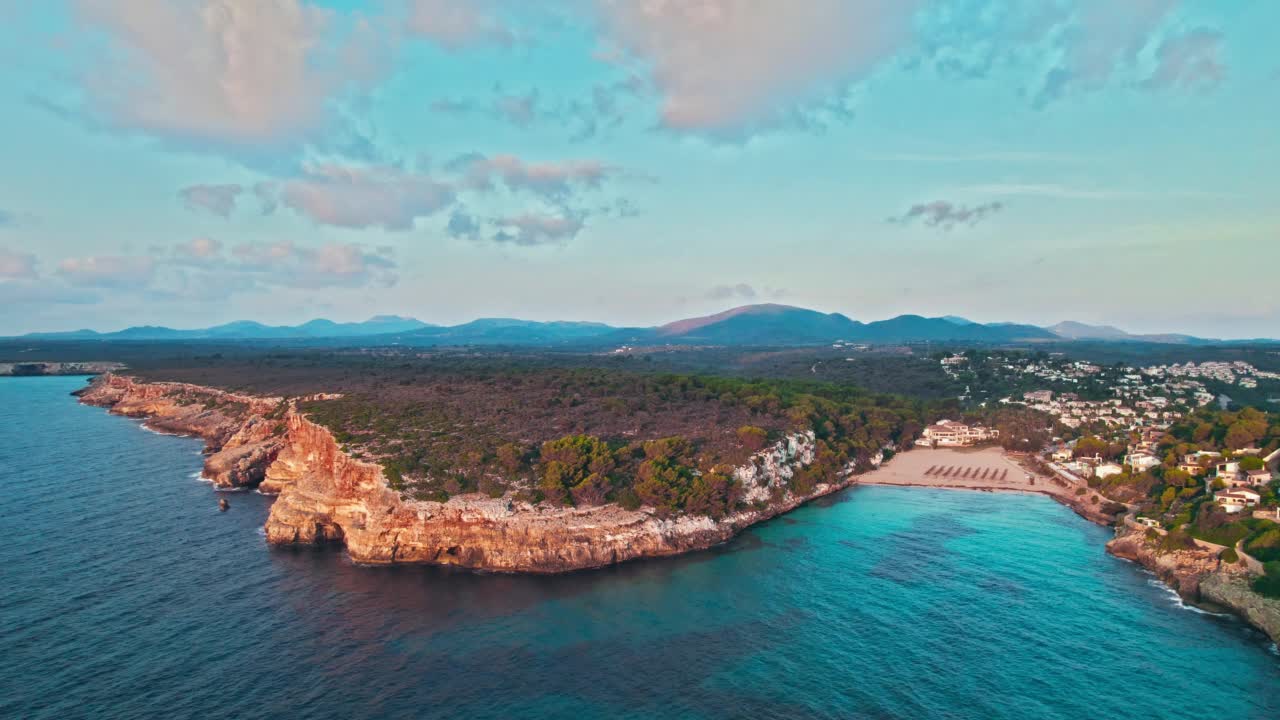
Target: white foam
[230, 489]
[150, 429]
[1176, 599]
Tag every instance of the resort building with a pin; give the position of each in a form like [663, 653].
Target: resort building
[949, 433]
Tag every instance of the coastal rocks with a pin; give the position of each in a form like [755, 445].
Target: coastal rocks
[334, 498]
[239, 441]
[326, 495]
[1182, 570]
[1231, 590]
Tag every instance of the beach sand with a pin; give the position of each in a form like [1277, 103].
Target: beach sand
[970, 469]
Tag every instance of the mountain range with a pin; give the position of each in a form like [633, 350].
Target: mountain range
[765, 324]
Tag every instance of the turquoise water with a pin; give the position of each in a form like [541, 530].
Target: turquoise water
[126, 594]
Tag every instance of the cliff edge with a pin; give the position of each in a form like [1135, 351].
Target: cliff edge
[326, 495]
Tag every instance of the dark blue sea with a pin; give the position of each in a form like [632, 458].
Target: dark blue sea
[126, 594]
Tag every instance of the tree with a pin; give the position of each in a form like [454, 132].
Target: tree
[575, 462]
[752, 438]
[1251, 462]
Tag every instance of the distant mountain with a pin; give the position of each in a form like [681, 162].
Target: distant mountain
[1079, 331]
[762, 325]
[786, 325]
[504, 331]
[249, 330]
[1071, 330]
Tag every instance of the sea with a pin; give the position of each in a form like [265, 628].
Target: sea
[127, 594]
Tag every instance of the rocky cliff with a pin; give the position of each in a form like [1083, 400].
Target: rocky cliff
[241, 438]
[1231, 590]
[1181, 570]
[1198, 577]
[327, 496]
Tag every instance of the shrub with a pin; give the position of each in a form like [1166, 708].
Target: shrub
[1268, 585]
[1229, 556]
[752, 438]
[1178, 539]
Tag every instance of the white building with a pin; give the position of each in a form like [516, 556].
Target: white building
[949, 433]
[1106, 470]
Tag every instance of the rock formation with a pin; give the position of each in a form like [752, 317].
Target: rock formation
[1199, 577]
[326, 495]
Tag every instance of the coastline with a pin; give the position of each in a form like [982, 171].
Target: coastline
[323, 495]
[910, 469]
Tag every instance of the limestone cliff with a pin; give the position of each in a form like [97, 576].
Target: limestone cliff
[1181, 570]
[240, 440]
[1231, 590]
[1198, 577]
[326, 495]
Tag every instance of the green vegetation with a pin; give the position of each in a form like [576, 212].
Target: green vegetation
[1268, 585]
[1265, 544]
[584, 437]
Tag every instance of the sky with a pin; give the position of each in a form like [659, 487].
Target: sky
[193, 162]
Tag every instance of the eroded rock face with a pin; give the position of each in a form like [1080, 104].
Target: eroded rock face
[240, 441]
[327, 496]
[1231, 590]
[333, 497]
[1182, 570]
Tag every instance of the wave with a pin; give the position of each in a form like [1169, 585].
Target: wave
[1176, 599]
[152, 430]
[230, 489]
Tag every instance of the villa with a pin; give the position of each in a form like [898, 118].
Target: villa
[1233, 501]
[948, 433]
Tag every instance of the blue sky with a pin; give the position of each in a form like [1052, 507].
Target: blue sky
[199, 161]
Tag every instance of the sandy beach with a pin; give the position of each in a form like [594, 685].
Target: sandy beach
[984, 469]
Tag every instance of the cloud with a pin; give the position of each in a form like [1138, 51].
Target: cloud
[17, 265]
[217, 199]
[537, 229]
[741, 291]
[553, 181]
[239, 73]
[455, 24]
[365, 196]
[463, 226]
[945, 215]
[724, 67]
[108, 271]
[329, 265]
[1099, 39]
[520, 110]
[1191, 61]
[199, 251]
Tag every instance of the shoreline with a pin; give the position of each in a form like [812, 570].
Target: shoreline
[323, 495]
[1002, 475]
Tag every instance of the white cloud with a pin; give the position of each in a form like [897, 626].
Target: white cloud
[232, 72]
[365, 196]
[728, 66]
[108, 271]
[537, 229]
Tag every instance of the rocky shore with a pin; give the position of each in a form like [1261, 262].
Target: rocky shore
[1200, 578]
[326, 495]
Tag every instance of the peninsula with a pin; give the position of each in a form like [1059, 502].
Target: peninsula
[574, 502]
